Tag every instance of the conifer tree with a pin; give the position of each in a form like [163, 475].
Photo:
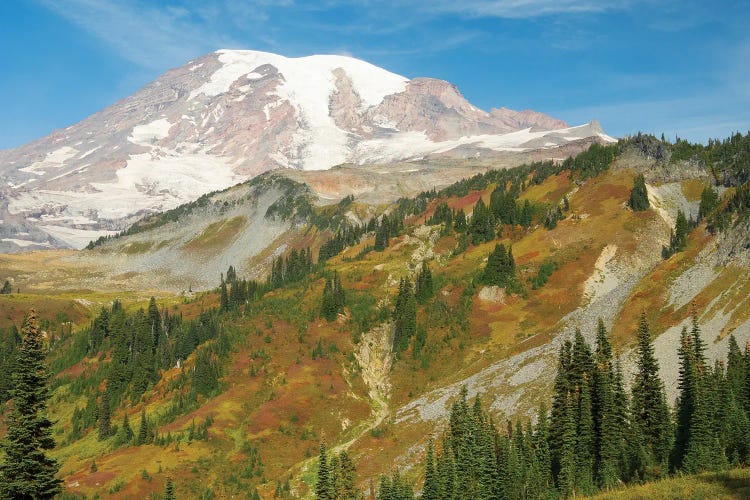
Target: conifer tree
[607, 431]
[430, 491]
[639, 195]
[566, 478]
[124, 433]
[324, 489]
[584, 442]
[143, 432]
[169, 493]
[404, 316]
[26, 472]
[423, 289]
[687, 387]
[105, 417]
[224, 297]
[650, 410]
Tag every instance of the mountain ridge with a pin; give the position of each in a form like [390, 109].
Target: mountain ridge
[229, 115]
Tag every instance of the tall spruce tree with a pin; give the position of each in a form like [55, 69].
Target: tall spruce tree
[26, 471]
[404, 316]
[324, 488]
[687, 385]
[431, 490]
[650, 410]
[639, 195]
[607, 431]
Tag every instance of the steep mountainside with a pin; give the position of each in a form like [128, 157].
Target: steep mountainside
[230, 115]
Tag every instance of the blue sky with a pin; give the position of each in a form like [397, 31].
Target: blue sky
[679, 67]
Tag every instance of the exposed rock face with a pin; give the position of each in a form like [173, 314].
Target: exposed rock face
[230, 115]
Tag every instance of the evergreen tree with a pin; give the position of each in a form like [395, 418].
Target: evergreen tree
[431, 488]
[584, 479]
[607, 431]
[566, 478]
[124, 433]
[382, 235]
[687, 387]
[26, 472]
[224, 297]
[105, 417]
[404, 316]
[169, 493]
[423, 289]
[144, 435]
[639, 195]
[501, 269]
[324, 488]
[650, 410]
[7, 288]
[709, 201]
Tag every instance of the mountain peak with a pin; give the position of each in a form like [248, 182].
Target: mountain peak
[232, 114]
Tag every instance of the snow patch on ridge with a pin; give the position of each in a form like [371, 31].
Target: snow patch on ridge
[54, 159]
[145, 135]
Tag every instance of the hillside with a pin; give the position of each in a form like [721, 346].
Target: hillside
[264, 377]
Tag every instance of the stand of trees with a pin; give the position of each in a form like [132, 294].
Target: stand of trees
[596, 436]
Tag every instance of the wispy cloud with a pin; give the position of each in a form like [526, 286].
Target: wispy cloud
[147, 35]
[516, 9]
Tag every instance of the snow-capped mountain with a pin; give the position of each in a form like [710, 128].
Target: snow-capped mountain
[229, 116]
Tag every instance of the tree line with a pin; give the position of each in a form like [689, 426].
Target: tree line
[597, 435]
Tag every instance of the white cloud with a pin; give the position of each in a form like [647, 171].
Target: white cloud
[525, 8]
[149, 36]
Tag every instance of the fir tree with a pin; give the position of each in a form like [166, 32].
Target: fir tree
[639, 195]
[687, 387]
[404, 316]
[650, 410]
[224, 297]
[143, 431]
[423, 289]
[105, 416]
[324, 488]
[584, 479]
[169, 493]
[26, 472]
[431, 488]
[124, 433]
[566, 478]
[607, 431]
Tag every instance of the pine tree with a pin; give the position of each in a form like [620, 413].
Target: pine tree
[169, 493]
[26, 471]
[223, 297]
[105, 416]
[143, 432]
[124, 433]
[324, 488]
[559, 407]
[607, 431]
[566, 478]
[423, 289]
[687, 387]
[650, 410]
[639, 195]
[404, 316]
[431, 487]
[584, 442]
